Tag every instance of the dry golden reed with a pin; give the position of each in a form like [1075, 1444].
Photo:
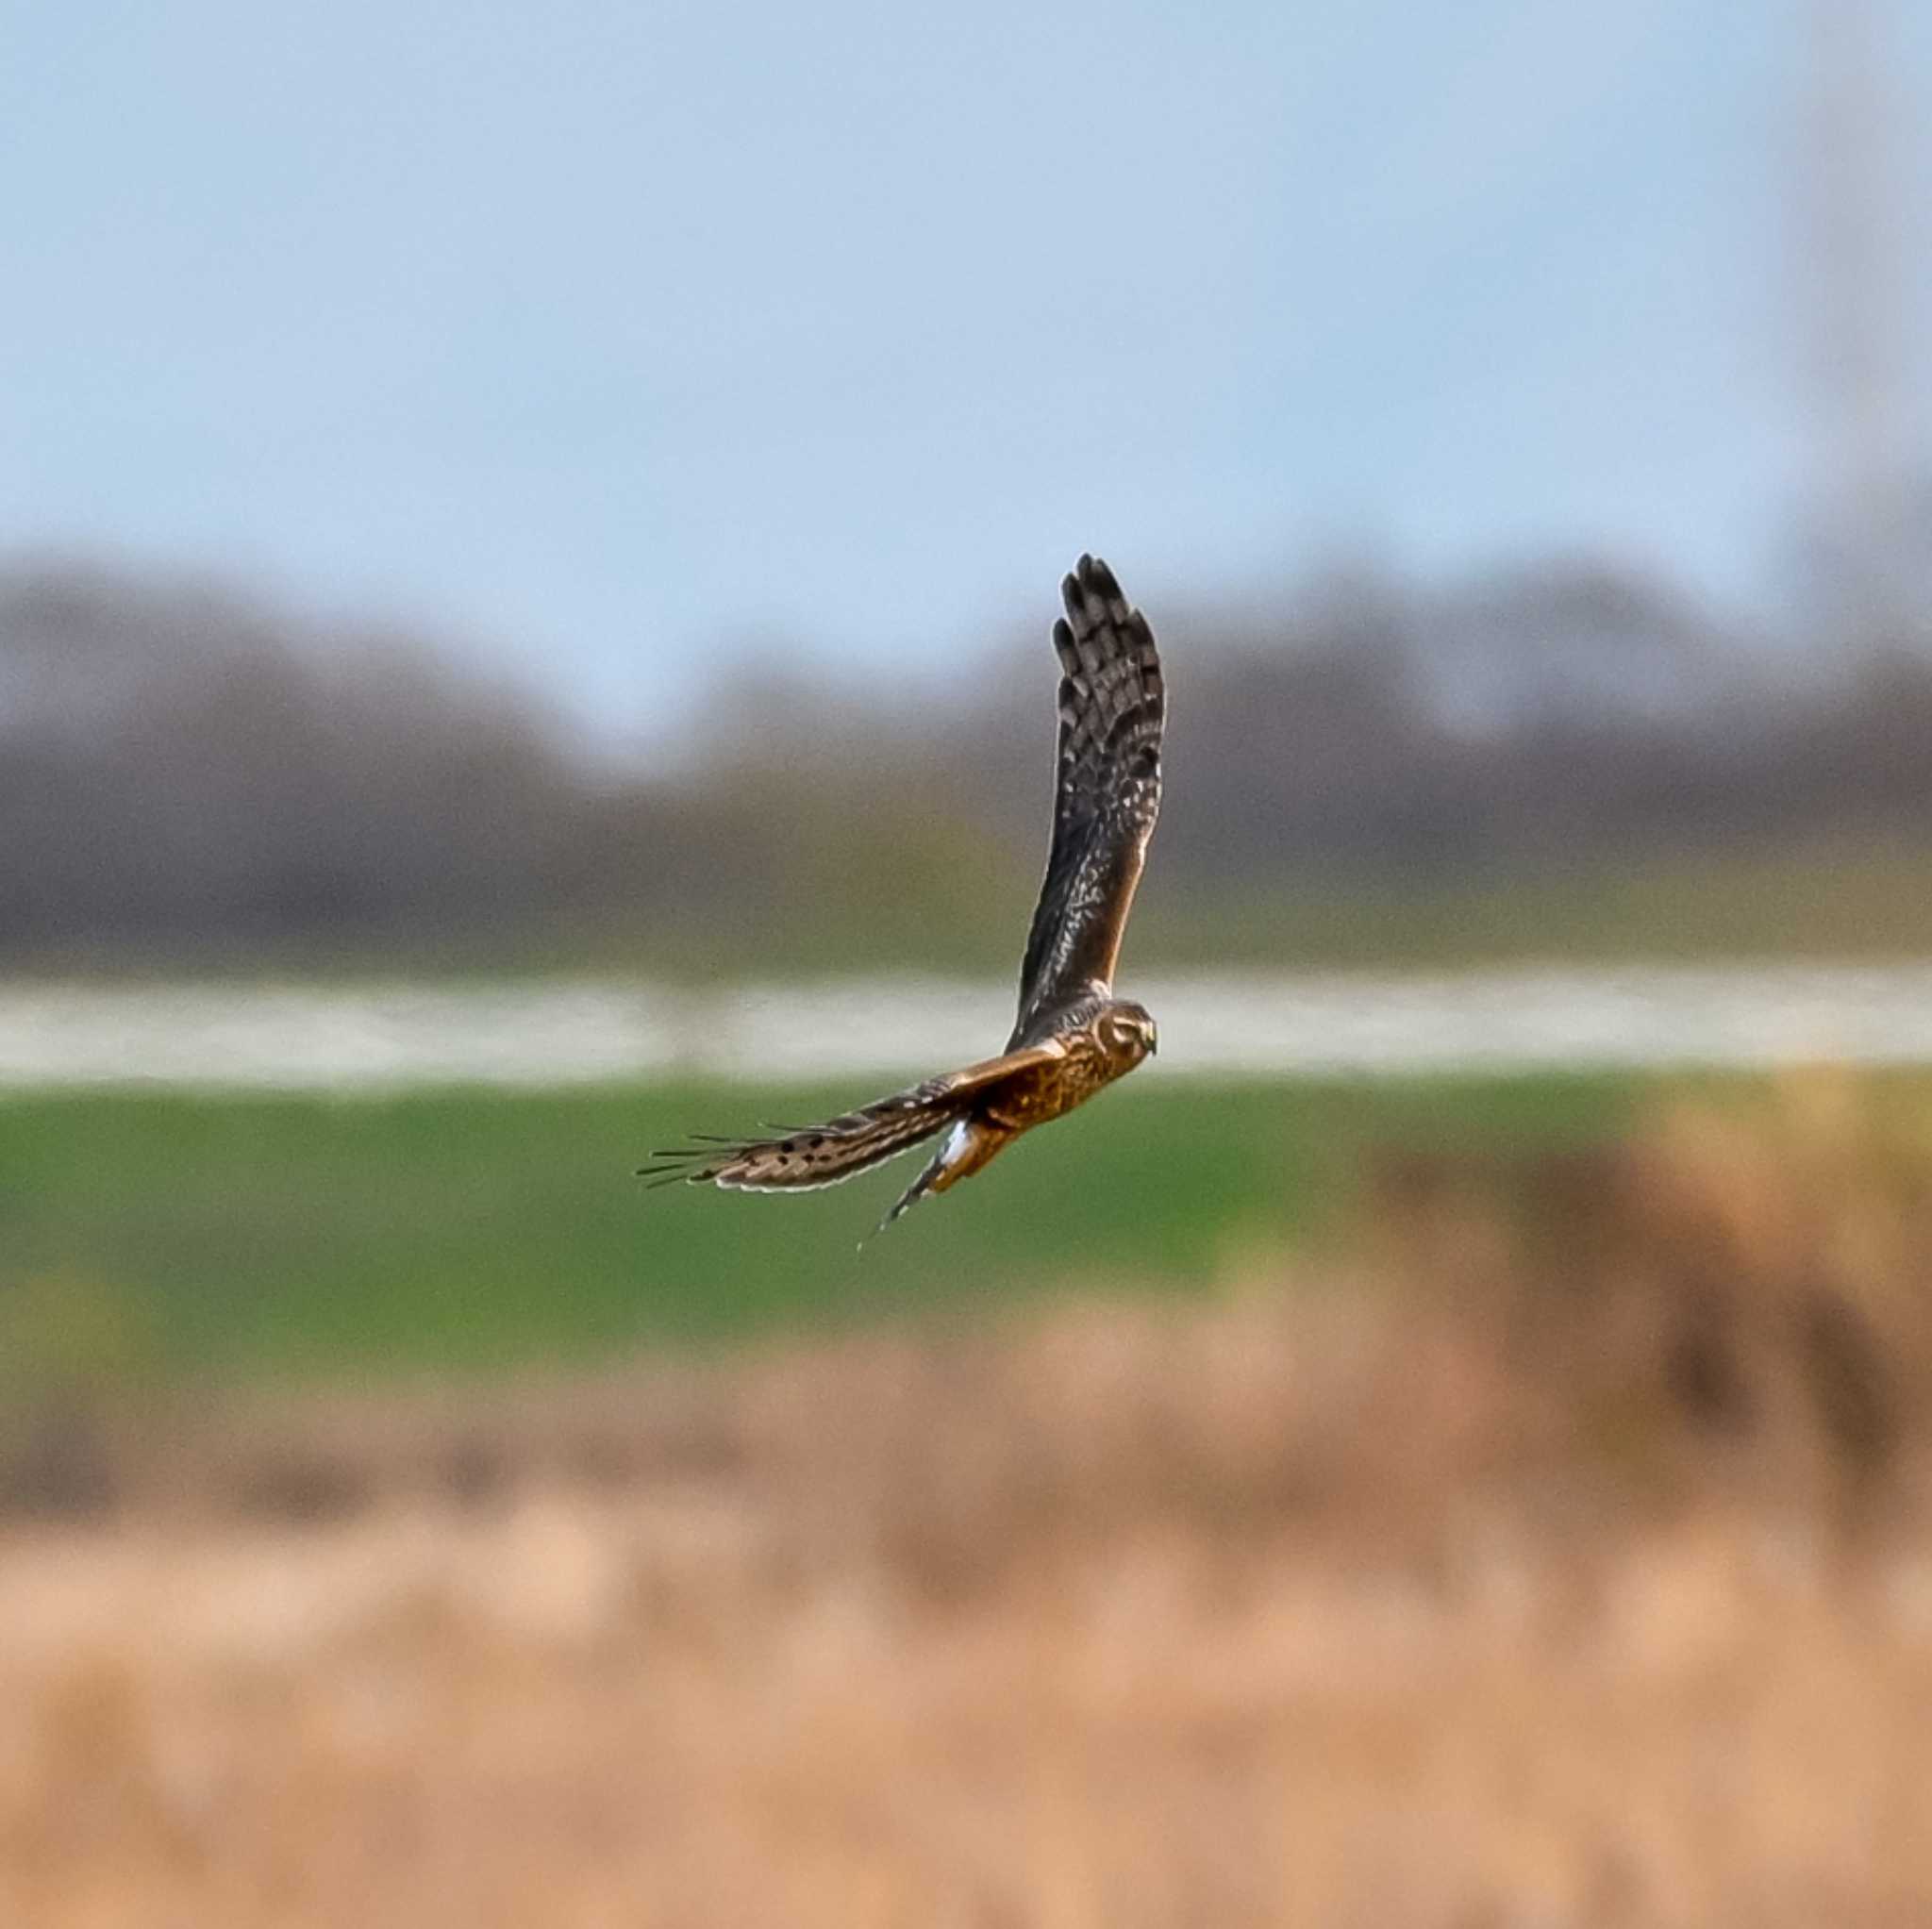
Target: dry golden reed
[1557, 1556]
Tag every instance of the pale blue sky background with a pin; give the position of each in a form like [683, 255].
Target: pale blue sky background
[604, 334]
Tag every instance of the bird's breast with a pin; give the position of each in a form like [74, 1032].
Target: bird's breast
[1045, 1092]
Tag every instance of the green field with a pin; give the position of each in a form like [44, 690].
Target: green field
[171, 1236]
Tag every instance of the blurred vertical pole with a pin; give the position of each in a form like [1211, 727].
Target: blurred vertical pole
[1853, 303]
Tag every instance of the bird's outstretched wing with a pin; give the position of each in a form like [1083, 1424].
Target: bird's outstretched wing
[1113, 705]
[804, 1158]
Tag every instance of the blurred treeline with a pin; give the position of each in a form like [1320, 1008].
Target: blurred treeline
[191, 775]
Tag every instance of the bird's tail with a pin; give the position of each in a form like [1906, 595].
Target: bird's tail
[969, 1145]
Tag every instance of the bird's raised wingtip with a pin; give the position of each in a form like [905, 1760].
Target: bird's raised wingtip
[1092, 593]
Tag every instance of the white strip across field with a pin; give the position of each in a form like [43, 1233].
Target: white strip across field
[373, 1035]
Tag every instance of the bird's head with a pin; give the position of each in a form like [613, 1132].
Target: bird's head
[1127, 1030]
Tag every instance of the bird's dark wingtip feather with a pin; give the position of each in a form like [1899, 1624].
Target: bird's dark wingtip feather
[1093, 590]
[657, 1176]
[1098, 575]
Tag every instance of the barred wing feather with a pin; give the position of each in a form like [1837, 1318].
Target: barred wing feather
[1112, 711]
[806, 1158]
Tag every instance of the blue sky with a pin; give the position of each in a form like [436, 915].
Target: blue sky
[606, 337]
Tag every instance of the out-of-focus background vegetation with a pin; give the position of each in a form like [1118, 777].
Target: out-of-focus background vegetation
[525, 550]
[1566, 758]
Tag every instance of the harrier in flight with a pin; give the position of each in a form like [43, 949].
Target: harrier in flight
[1072, 1036]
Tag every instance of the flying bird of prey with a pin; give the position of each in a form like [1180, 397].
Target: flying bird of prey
[1072, 1036]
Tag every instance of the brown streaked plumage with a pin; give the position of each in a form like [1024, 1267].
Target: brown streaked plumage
[1072, 1036]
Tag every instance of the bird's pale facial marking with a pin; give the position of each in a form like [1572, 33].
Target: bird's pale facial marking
[1129, 1031]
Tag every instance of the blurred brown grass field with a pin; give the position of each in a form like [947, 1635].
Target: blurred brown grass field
[1547, 1544]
